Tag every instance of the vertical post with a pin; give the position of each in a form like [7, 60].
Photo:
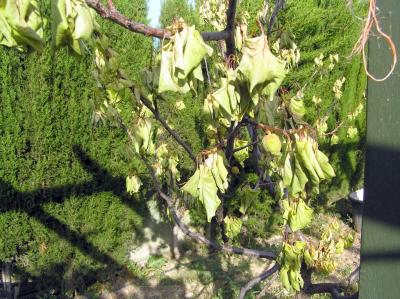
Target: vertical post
[380, 249]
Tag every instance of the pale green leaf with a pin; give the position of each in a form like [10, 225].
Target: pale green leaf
[208, 192]
[83, 23]
[133, 184]
[259, 66]
[301, 215]
[192, 186]
[59, 22]
[232, 226]
[195, 50]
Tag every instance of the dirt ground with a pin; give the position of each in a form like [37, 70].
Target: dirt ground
[199, 274]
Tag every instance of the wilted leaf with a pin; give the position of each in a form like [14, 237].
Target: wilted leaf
[133, 184]
[259, 66]
[232, 226]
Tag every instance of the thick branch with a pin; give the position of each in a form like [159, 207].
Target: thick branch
[252, 283]
[162, 121]
[332, 288]
[116, 17]
[230, 24]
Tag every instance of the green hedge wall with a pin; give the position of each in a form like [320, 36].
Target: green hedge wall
[64, 214]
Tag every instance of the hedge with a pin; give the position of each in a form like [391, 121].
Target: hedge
[64, 214]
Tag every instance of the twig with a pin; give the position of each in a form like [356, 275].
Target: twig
[245, 146]
[267, 128]
[172, 132]
[257, 280]
[115, 16]
[278, 7]
[335, 130]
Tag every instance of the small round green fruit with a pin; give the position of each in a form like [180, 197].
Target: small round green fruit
[272, 144]
[235, 170]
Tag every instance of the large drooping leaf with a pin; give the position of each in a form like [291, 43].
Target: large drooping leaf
[179, 44]
[83, 23]
[195, 50]
[21, 24]
[272, 87]
[181, 61]
[259, 66]
[299, 178]
[73, 23]
[209, 178]
[167, 79]
[208, 192]
[143, 136]
[228, 99]
[192, 186]
[5, 33]
[287, 173]
[215, 162]
[290, 260]
[297, 214]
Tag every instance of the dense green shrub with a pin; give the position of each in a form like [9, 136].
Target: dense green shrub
[64, 213]
[175, 9]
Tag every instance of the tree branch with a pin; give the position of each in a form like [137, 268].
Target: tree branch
[162, 121]
[230, 24]
[112, 14]
[332, 288]
[257, 280]
[199, 238]
[245, 146]
[279, 5]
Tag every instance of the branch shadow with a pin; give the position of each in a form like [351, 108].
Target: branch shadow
[32, 204]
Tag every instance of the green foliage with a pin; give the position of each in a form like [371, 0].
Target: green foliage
[251, 7]
[129, 45]
[188, 121]
[331, 28]
[63, 216]
[252, 205]
[174, 9]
